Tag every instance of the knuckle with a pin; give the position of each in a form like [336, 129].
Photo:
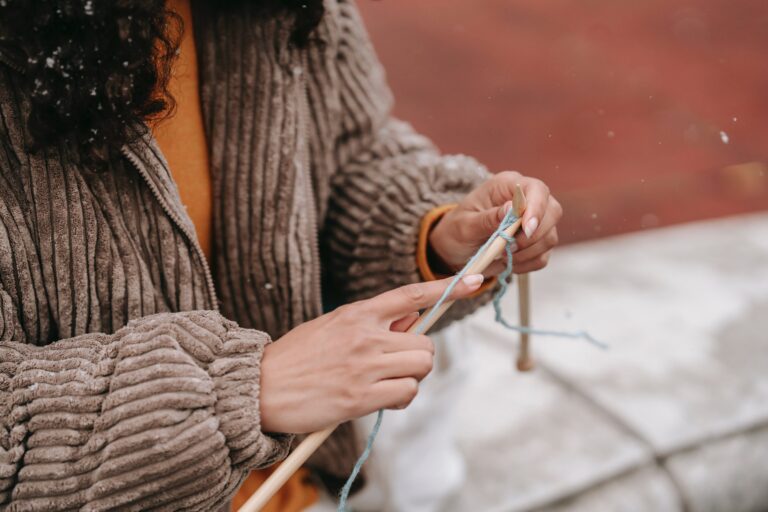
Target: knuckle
[554, 238]
[509, 175]
[489, 222]
[541, 261]
[347, 310]
[363, 339]
[427, 342]
[413, 293]
[557, 208]
[359, 342]
[541, 185]
[410, 390]
[350, 401]
[425, 362]
[497, 194]
[348, 369]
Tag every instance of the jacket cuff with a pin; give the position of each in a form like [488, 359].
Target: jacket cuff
[384, 244]
[236, 376]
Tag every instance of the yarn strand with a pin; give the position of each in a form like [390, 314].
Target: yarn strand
[505, 278]
[504, 281]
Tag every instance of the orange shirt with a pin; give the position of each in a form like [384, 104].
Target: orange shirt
[182, 139]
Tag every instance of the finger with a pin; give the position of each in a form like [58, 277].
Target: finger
[499, 264]
[409, 363]
[404, 323]
[488, 220]
[495, 268]
[404, 342]
[537, 263]
[502, 187]
[394, 393]
[536, 195]
[414, 297]
[536, 202]
[549, 220]
[546, 243]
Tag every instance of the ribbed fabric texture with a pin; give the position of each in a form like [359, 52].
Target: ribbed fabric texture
[161, 414]
[104, 405]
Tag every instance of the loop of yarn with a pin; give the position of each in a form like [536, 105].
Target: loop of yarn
[504, 280]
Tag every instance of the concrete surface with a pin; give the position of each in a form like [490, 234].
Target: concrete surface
[673, 417]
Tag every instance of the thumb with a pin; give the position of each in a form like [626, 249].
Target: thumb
[491, 218]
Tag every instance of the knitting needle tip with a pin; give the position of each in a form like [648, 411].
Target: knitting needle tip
[518, 200]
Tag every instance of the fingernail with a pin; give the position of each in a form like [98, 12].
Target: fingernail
[531, 226]
[513, 246]
[473, 280]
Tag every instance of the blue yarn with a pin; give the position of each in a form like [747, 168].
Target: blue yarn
[360, 461]
[508, 220]
[504, 279]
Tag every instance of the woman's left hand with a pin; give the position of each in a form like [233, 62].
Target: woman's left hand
[459, 234]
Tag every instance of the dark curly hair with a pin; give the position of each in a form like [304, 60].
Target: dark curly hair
[95, 70]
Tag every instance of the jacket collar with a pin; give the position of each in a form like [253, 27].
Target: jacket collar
[143, 151]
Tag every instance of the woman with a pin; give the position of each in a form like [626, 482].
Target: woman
[163, 220]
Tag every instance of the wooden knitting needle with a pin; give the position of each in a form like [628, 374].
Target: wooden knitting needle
[299, 456]
[524, 361]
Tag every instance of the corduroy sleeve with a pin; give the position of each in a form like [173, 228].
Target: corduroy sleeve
[389, 177]
[163, 414]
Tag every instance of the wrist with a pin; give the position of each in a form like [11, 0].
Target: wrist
[433, 262]
[236, 374]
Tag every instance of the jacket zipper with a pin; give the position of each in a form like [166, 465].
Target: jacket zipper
[176, 220]
[139, 167]
[304, 113]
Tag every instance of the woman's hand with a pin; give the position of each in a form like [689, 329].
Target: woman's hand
[352, 361]
[463, 230]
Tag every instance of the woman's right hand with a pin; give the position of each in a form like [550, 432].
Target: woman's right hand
[352, 361]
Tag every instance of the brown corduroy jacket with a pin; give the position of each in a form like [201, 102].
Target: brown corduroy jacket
[129, 365]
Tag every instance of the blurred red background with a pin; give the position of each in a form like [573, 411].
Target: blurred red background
[636, 113]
